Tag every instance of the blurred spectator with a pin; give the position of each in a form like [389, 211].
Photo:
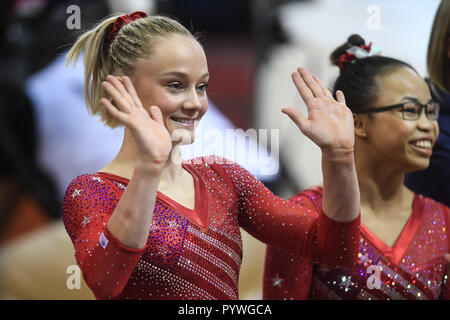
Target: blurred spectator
[71, 142]
[28, 197]
[27, 194]
[434, 182]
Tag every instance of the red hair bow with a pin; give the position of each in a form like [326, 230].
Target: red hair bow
[348, 57]
[123, 20]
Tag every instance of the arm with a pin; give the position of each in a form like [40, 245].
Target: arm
[106, 263]
[115, 247]
[286, 275]
[329, 236]
[131, 220]
[330, 126]
[299, 227]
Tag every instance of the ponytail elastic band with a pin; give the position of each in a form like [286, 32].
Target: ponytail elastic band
[357, 52]
[123, 20]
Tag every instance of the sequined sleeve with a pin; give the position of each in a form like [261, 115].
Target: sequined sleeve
[300, 227]
[106, 264]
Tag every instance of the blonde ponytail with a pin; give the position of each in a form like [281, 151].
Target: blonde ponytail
[133, 41]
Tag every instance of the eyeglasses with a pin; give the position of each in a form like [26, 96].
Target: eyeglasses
[411, 110]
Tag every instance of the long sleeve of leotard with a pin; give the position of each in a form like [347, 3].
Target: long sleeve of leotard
[106, 264]
[299, 226]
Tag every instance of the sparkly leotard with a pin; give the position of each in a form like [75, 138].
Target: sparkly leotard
[195, 254]
[414, 268]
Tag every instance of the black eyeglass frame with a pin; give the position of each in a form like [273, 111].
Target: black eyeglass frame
[435, 116]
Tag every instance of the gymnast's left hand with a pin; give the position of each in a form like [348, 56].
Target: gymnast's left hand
[330, 122]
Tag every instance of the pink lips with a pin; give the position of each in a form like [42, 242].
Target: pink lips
[185, 122]
[422, 146]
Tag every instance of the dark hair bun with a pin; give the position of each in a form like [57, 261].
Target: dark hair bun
[353, 40]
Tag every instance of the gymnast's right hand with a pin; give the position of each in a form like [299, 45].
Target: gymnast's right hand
[145, 123]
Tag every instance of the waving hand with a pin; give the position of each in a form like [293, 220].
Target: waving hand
[330, 123]
[147, 126]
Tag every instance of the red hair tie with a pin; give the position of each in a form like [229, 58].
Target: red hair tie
[123, 20]
[349, 56]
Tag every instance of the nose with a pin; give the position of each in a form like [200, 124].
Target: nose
[193, 100]
[424, 121]
[425, 124]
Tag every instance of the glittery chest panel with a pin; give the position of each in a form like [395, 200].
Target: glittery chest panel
[183, 261]
[419, 275]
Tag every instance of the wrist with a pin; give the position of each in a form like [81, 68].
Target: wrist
[338, 155]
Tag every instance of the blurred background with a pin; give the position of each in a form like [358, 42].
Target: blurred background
[47, 137]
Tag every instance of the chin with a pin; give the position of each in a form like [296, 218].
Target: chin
[417, 165]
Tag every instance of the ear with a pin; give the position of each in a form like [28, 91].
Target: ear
[360, 124]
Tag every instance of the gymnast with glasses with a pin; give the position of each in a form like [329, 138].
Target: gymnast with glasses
[403, 252]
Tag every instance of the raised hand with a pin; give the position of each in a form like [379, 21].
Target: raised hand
[146, 124]
[330, 123]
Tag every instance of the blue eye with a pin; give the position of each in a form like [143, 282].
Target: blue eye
[202, 87]
[175, 86]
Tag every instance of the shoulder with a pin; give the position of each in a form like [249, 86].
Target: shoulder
[428, 207]
[230, 172]
[430, 204]
[209, 160]
[207, 164]
[87, 185]
[215, 163]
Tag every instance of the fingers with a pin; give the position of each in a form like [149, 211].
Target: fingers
[302, 88]
[325, 90]
[131, 90]
[115, 86]
[312, 84]
[113, 111]
[298, 118]
[156, 115]
[309, 86]
[340, 96]
[119, 100]
[119, 85]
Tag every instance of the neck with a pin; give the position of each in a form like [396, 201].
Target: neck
[128, 156]
[380, 186]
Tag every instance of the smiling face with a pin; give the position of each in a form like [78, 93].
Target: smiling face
[174, 78]
[406, 144]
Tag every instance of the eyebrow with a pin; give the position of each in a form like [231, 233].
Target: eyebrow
[181, 74]
[415, 99]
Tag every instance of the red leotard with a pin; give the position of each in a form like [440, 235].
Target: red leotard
[414, 268]
[195, 254]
